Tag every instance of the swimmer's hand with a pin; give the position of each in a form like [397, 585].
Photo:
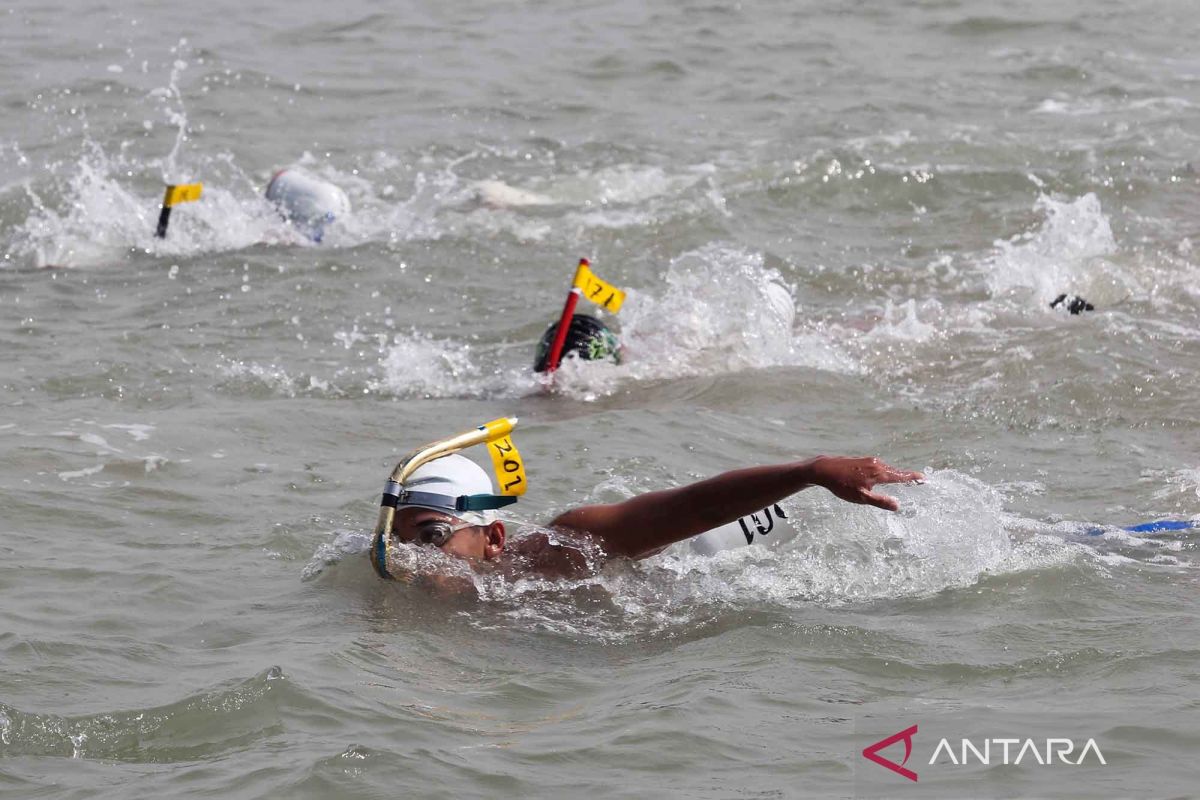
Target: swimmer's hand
[852, 479]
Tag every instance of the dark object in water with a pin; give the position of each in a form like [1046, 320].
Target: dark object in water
[587, 337]
[1073, 303]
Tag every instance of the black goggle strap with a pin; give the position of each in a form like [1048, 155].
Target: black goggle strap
[395, 496]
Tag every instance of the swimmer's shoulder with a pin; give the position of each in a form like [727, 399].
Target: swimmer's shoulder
[558, 552]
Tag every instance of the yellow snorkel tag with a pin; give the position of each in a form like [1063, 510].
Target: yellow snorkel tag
[176, 193]
[600, 292]
[510, 474]
[510, 469]
[182, 193]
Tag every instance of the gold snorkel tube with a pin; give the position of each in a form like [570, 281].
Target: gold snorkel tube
[491, 432]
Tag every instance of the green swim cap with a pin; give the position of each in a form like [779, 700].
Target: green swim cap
[588, 338]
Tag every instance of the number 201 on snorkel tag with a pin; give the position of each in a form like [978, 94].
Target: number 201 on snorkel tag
[506, 461]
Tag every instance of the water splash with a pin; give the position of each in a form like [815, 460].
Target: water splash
[1066, 253]
[344, 544]
[274, 378]
[416, 365]
[101, 207]
[175, 111]
[903, 322]
[721, 311]
[951, 533]
[1185, 480]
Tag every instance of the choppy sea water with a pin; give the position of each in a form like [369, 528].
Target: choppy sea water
[196, 429]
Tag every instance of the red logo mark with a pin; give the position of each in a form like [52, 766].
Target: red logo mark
[872, 752]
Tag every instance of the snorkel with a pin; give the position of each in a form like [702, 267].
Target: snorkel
[505, 459]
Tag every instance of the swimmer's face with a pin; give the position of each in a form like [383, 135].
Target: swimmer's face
[429, 528]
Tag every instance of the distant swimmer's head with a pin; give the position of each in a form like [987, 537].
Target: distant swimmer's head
[587, 337]
[449, 503]
[306, 201]
[1071, 303]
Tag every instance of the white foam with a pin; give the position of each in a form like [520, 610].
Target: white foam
[1083, 107]
[1069, 107]
[903, 323]
[345, 543]
[81, 473]
[139, 432]
[950, 532]
[97, 441]
[1064, 254]
[620, 184]
[1185, 480]
[272, 376]
[416, 365]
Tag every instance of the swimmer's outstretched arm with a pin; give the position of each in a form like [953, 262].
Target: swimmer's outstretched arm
[644, 525]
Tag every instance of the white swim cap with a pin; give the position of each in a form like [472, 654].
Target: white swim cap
[440, 483]
[306, 201]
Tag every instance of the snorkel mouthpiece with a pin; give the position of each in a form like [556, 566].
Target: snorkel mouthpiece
[394, 493]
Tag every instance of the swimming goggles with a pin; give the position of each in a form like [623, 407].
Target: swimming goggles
[435, 532]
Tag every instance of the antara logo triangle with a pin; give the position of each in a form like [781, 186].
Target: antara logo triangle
[906, 735]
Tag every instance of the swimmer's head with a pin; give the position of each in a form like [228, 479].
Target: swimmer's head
[450, 503]
[1073, 304]
[306, 201]
[587, 337]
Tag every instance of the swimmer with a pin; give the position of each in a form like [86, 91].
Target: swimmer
[497, 194]
[310, 204]
[584, 335]
[450, 503]
[1071, 303]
